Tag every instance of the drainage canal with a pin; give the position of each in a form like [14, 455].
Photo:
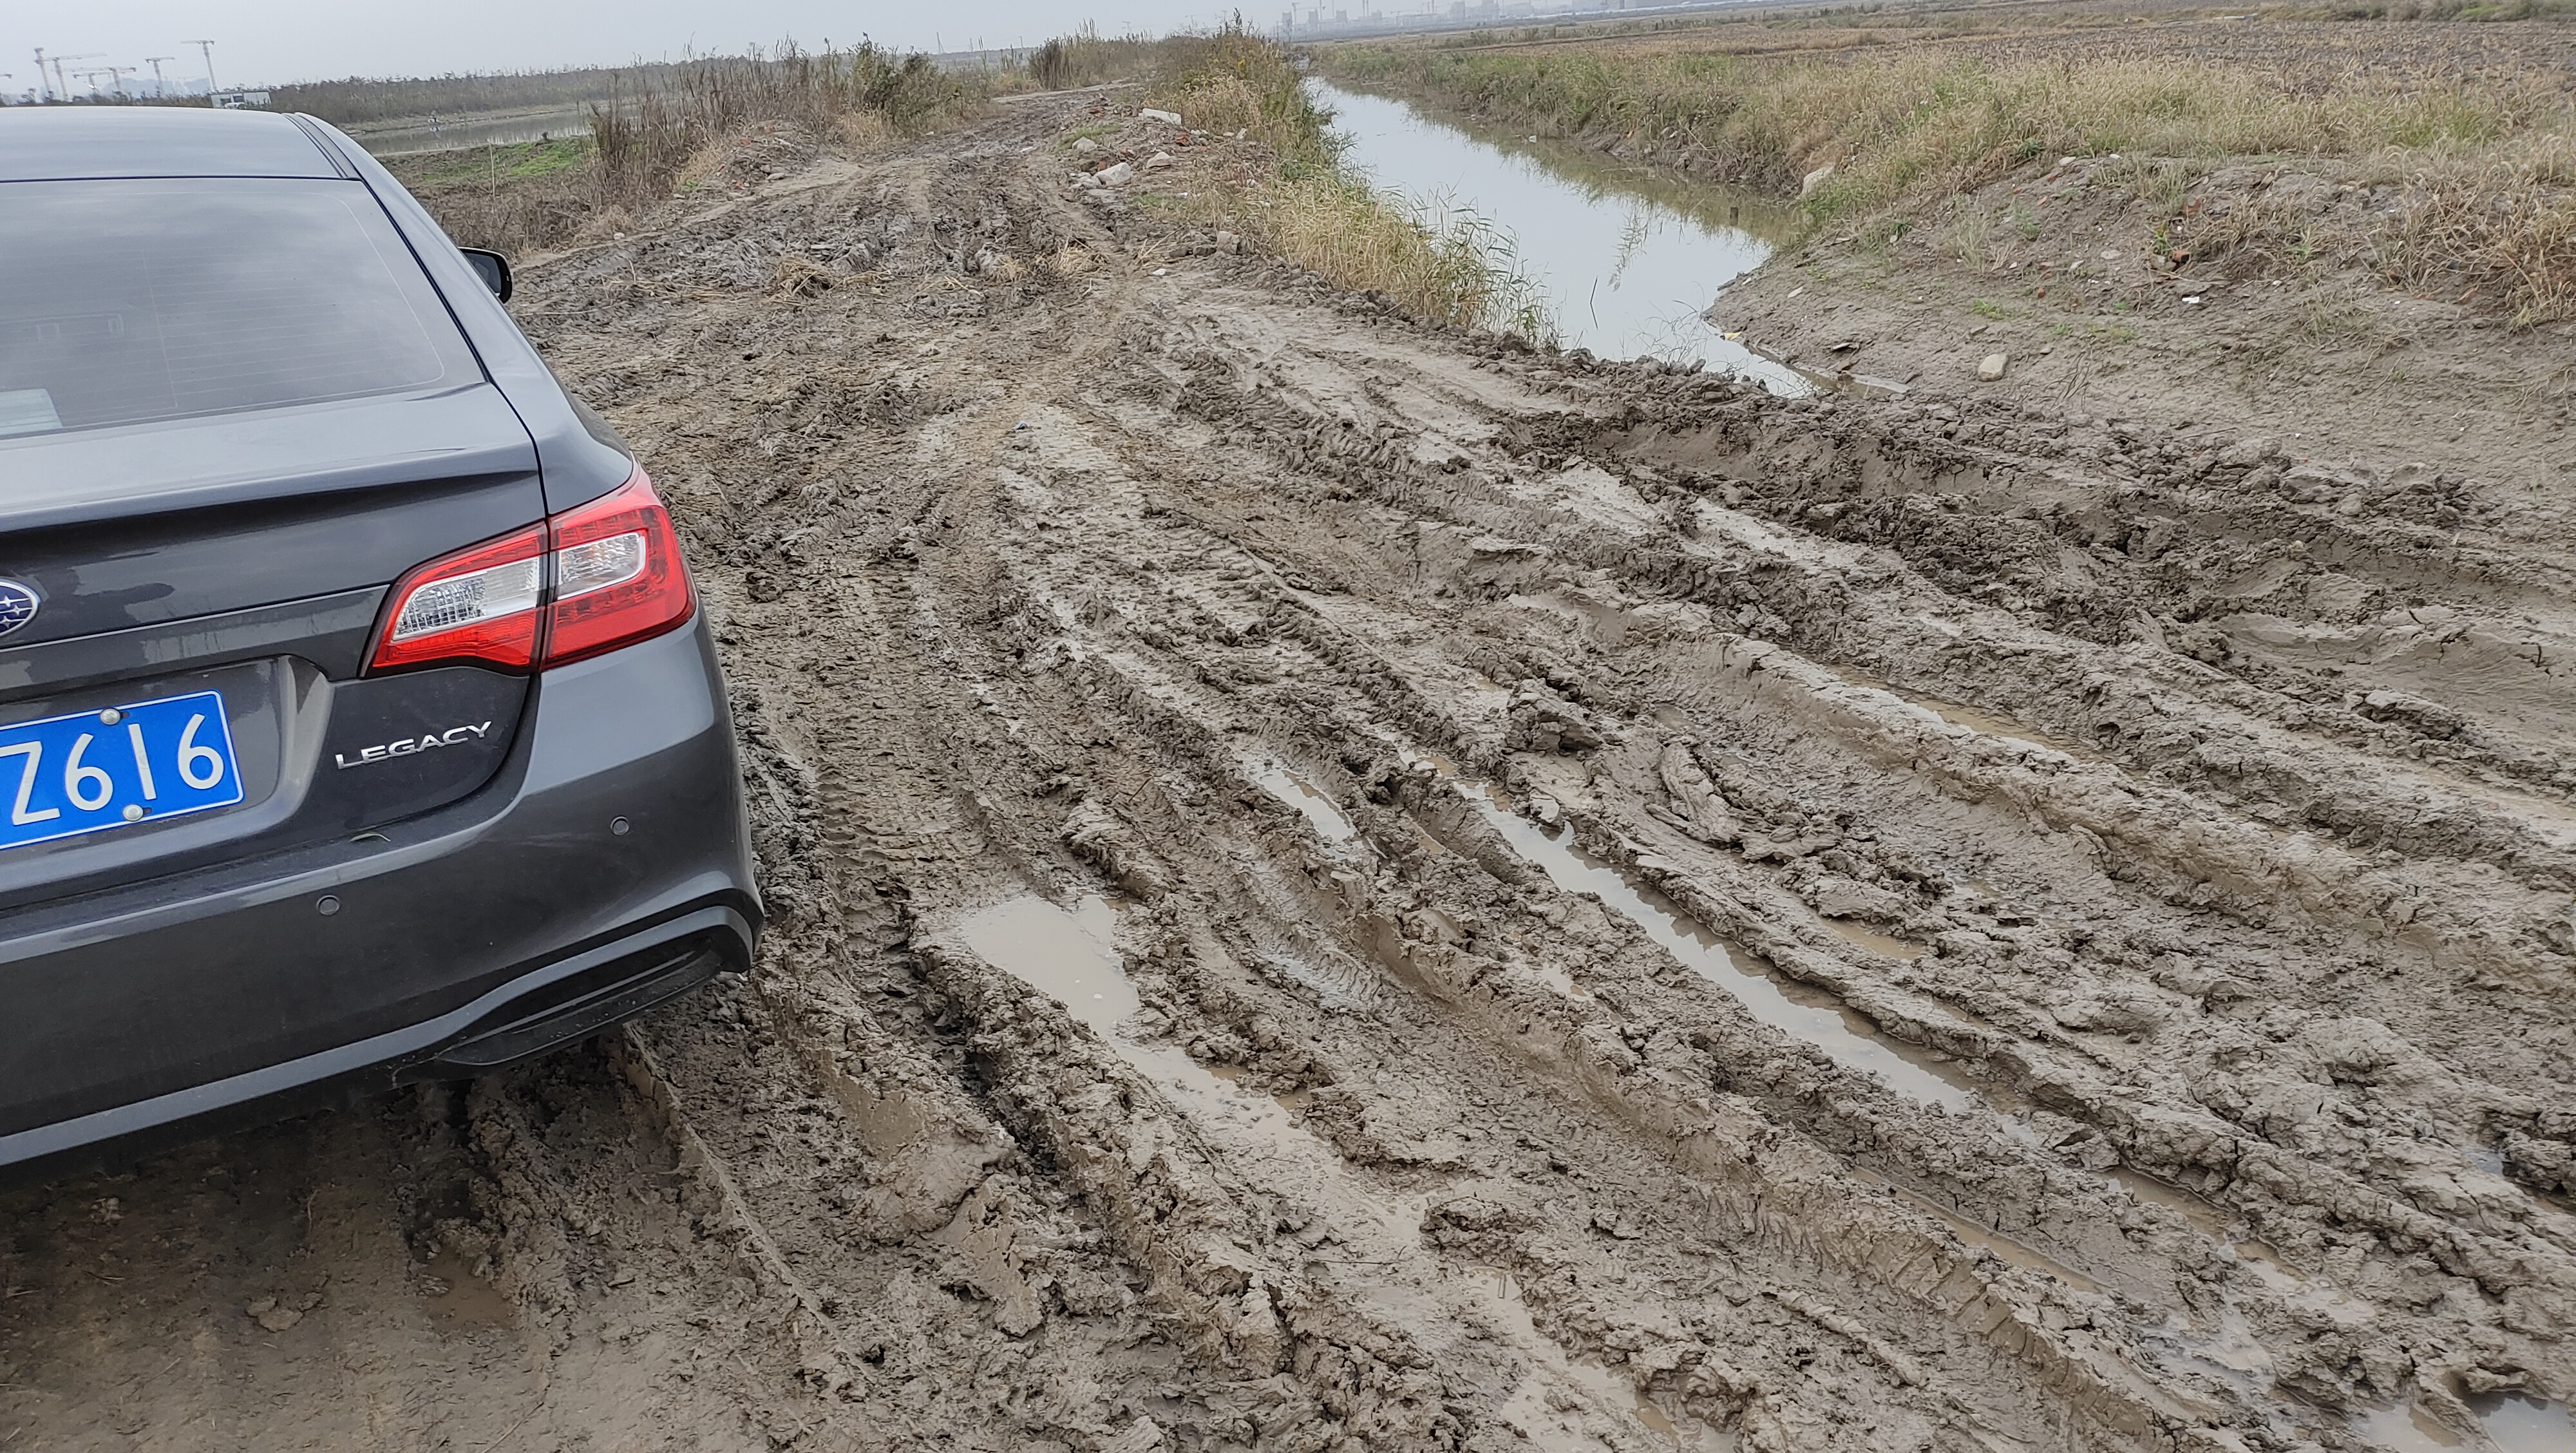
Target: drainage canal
[1625, 262]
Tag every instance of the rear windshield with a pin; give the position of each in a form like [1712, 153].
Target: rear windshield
[123, 302]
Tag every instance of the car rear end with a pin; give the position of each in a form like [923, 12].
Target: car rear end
[357, 719]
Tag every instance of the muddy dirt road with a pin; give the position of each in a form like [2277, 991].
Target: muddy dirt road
[1340, 885]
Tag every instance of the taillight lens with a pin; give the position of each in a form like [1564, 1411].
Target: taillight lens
[616, 579]
[479, 604]
[618, 576]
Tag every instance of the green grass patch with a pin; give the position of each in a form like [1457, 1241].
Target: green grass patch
[487, 165]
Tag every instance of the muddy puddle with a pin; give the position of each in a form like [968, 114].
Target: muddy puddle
[1623, 263]
[1283, 782]
[2551, 821]
[1885, 945]
[1065, 955]
[1984, 722]
[1367, 1233]
[2211, 1222]
[1849, 1039]
[2519, 1424]
[1072, 956]
[2005, 1248]
[2507, 1422]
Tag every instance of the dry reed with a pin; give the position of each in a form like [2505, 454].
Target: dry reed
[1432, 261]
[1901, 121]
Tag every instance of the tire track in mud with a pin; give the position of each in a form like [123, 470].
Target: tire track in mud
[1465, 774]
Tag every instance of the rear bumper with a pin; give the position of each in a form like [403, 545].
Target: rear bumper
[607, 867]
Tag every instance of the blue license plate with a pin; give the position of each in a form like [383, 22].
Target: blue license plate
[124, 765]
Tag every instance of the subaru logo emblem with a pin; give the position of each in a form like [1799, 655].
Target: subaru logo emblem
[17, 605]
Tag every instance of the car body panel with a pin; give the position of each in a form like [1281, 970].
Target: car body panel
[331, 631]
[431, 871]
[399, 1056]
[112, 1000]
[95, 143]
[89, 476]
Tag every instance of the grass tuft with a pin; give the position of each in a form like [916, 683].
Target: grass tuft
[1432, 260]
[2502, 223]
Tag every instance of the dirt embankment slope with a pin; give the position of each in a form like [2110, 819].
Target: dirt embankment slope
[1340, 885]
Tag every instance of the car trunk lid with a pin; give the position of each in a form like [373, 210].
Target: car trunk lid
[261, 578]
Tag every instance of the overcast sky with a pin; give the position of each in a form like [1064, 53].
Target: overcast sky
[259, 42]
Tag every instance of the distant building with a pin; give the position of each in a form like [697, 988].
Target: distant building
[238, 100]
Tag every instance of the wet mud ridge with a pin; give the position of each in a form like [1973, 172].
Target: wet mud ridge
[1343, 885]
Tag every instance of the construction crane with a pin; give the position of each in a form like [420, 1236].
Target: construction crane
[116, 76]
[65, 86]
[43, 85]
[160, 87]
[206, 48]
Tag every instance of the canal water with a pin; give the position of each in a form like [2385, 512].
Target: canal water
[1626, 260]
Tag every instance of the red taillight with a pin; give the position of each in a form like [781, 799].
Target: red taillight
[479, 604]
[594, 578]
[618, 576]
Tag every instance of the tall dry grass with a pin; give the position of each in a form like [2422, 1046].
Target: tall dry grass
[644, 141]
[1898, 121]
[649, 124]
[1237, 81]
[1087, 58]
[1433, 261]
[2501, 219]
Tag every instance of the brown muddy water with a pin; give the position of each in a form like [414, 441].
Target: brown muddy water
[1371, 1228]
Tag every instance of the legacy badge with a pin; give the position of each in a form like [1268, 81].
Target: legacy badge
[413, 746]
